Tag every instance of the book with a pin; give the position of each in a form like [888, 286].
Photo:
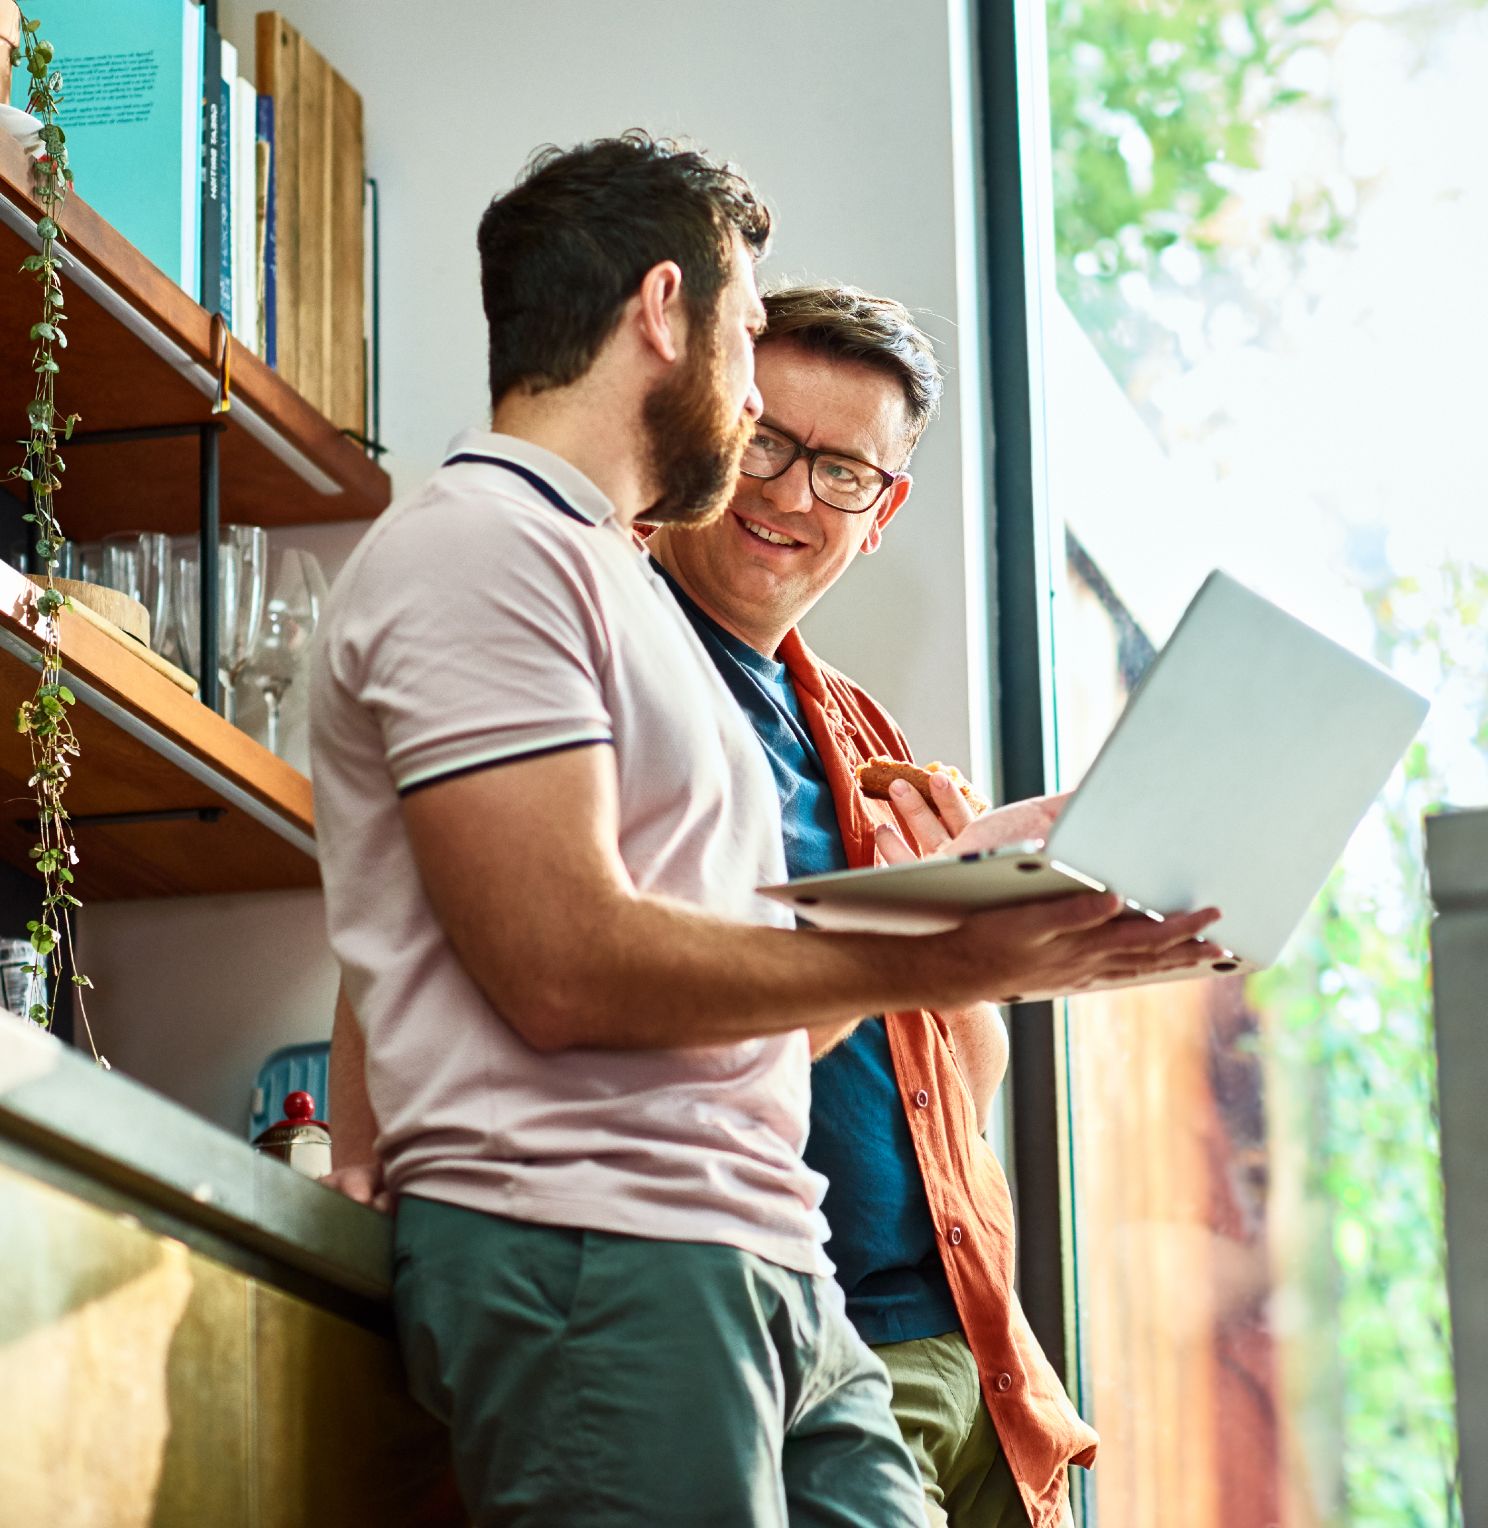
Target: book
[371, 304]
[229, 74]
[318, 171]
[209, 293]
[276, 56]
[243, 191]
[345, 396]
[265, 234]
[132, 114]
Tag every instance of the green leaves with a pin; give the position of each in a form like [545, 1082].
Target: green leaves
[43, 936]
[43, 719]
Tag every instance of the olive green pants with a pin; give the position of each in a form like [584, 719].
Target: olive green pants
[939, 1407]
[600, 1381]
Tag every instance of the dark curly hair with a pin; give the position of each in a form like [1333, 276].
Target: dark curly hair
[568, 245]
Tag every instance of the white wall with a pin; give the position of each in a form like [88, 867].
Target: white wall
[839, 110]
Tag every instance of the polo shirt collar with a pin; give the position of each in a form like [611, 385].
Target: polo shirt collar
[580, 496]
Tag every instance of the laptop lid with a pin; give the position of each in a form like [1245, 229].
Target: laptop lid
[1242, 763]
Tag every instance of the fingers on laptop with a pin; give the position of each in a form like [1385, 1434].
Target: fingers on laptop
[1153, 935]
[1138, 947]
[1076, 914]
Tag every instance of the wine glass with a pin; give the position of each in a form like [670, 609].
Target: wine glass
[80, 560]
[186, 597]
[238, 633]
[297, 593]
[137, 563]
[242, 554]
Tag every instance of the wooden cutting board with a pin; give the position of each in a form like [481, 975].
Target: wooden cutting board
[125, 620]
[128, 615]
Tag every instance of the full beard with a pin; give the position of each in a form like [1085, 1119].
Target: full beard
[694, 443]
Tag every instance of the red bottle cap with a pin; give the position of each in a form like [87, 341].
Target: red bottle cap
[299, 1109]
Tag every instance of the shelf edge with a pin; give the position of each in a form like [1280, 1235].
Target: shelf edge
[184, 760]
[174, 356]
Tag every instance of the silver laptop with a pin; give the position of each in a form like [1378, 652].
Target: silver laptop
[1241, 765]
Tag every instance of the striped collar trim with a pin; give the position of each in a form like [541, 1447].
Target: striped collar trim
[557, 481]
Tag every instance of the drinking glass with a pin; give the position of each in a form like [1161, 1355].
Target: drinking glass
[137, 563]
[297, 592]
[186, 597]
[238, 636]
[241, 558]
[80, 560]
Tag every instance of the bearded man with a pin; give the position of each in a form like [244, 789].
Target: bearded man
[542, 820]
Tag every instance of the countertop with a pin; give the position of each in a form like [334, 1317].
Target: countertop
[64, 1113]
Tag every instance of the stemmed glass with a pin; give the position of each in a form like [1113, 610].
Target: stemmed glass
[239, 636]
[242, 556]
[297, 592]
[186, 598]
[138, 563]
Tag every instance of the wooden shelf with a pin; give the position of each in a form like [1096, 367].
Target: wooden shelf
[139, 354]
[148, 747]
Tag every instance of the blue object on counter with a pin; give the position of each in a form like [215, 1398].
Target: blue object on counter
[291, 1068]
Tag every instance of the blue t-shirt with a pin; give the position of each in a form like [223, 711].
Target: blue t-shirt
[885, 1252]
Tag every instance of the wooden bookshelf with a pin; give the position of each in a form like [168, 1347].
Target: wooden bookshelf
[139, 353]
[148, 747]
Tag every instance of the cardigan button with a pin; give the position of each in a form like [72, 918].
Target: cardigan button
[955, 1236]
[1004, 1382]
[922, 1099]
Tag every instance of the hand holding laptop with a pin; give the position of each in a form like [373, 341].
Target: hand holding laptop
[1070, 945]
[1080, 943]
[1235, 775]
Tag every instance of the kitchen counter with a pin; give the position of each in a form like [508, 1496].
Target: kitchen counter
[190, 1332]
[56, 1104]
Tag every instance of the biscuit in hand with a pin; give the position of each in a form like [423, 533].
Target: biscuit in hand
[875, 777]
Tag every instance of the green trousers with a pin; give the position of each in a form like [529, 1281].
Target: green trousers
[938, 1404]
[600, 1381]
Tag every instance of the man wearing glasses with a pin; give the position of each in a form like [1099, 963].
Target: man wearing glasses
[919, 1209]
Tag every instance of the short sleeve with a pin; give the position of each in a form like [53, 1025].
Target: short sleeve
[472, 634]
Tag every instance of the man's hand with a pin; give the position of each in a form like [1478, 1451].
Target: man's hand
[951, 827]
[1048, 949]
[1079, 943]
[362, 1182]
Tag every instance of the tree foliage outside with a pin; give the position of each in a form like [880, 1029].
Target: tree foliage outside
[1166, 208]
[1351, 1008]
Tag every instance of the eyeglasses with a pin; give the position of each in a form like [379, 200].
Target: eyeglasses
[840, 482]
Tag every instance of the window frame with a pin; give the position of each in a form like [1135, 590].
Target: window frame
[1013, 255]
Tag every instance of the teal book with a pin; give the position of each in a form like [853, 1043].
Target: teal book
[131, 109]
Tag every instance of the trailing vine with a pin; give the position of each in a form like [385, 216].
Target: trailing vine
[44, 719]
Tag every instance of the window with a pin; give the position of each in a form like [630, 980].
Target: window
[1262, 346]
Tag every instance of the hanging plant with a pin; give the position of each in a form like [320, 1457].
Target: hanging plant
[44, 719]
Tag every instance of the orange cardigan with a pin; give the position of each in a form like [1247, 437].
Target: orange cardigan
[970, 1204]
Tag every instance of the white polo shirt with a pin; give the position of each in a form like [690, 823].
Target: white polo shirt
[499, 614]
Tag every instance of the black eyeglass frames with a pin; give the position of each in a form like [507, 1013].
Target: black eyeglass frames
[844, 483]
